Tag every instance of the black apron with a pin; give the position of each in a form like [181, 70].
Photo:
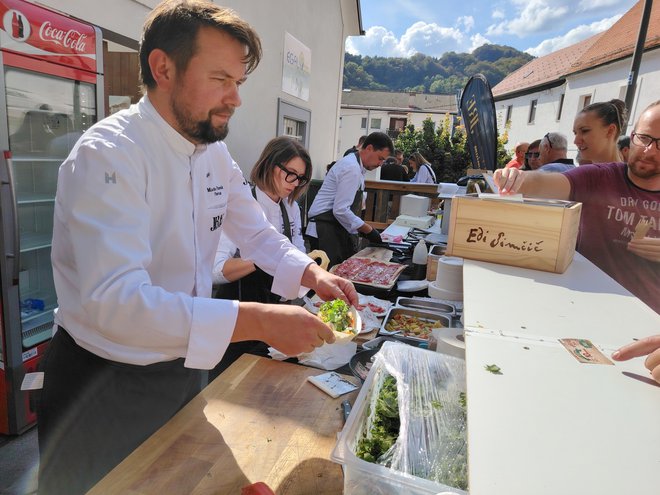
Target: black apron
[333, 238]
[256, 286]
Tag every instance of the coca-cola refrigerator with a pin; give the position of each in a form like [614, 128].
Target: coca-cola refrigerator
[51, 85]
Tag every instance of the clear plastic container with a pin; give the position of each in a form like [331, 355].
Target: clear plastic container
[431, 437]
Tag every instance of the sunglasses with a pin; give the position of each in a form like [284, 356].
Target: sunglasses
[547, 137]
[291, 177]
[533, 154]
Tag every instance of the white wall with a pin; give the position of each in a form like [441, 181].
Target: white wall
[602, 83]
[318, 24]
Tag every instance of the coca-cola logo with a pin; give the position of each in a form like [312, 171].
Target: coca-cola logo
[70, 38]
[16, 25]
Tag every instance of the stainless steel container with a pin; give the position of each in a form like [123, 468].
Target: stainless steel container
[426, 305]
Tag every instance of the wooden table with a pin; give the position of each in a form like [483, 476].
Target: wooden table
[260, 420]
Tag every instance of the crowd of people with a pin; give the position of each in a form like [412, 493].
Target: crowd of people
[136, 259]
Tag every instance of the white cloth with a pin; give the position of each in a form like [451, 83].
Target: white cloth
[337, 193]
[424, 175]
[138, 216]
[227, 249]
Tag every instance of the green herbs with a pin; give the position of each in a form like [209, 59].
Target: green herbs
[385, 427]
[493, 368]
[337, 314]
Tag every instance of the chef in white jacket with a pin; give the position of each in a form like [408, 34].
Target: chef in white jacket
[141, 202]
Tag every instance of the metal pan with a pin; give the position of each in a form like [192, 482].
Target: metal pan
[426, 305]
[445, 320]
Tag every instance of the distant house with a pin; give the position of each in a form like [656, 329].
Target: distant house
[546, 93]
[364, 111]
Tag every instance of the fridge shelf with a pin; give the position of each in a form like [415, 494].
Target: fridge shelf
[31, 198]
[31, 241]
[37, 329]
[37, 158]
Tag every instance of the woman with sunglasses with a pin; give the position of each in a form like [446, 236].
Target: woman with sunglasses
[597, 128]
[280, 176]
[532, 161]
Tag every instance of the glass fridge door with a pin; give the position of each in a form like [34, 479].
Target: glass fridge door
[46, 116]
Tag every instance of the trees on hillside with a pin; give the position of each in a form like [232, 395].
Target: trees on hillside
[422, 73]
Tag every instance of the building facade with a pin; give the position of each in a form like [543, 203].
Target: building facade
[295, 90]
[545, 94]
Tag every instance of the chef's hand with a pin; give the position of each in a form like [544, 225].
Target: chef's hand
[290, 329]
[328, 286]
[374, 237]
[650, 346]
[646, 247]
[509, 180]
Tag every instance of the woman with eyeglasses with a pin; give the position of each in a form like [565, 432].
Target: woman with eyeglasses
[597, 128]
[280, 176]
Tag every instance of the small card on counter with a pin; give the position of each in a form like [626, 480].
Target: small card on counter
[332, 384]
[585, 351]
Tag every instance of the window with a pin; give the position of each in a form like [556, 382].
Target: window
[561, 106]
[294, 128]
[584, 101]
[622, 93]
[509, 111]
[363, 125]
[532, 111]
[375, 123]
[293, 121]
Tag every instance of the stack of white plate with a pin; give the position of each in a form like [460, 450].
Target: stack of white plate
[448, 282]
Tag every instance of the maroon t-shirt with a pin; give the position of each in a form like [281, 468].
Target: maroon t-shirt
[611, 207]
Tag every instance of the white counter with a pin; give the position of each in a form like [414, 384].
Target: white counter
[549, 424]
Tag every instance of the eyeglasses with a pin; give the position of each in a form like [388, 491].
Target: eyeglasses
[533, 154]
[291, 177]
[644, 140]
[547, 136]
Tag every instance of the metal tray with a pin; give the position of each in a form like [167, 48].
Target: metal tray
[445, 320]
[426, 305]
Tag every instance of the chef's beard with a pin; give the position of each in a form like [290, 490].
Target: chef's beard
[200, 131]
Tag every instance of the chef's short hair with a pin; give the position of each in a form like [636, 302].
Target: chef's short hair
[173, 27]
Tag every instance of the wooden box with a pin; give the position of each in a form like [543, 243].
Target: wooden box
[533, 233]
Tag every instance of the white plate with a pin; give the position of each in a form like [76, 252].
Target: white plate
[411, 285]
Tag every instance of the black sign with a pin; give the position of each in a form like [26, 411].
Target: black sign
[478, 111]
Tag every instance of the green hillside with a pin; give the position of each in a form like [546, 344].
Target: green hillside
[425, 74]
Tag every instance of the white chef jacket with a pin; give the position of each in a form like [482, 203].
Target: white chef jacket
[424, 175]
[227, 249]
[337, 194]
[138, 215]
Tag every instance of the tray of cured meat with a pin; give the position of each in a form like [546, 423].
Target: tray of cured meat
[369, 271]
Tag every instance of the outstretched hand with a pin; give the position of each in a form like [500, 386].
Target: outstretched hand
[650, 347]
[646, 247]
[509, 180]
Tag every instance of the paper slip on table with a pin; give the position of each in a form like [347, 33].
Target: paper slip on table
[260, 420]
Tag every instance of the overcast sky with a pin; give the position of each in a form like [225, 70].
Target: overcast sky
[401, 28]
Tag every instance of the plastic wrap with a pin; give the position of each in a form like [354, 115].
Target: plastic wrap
[430, 452]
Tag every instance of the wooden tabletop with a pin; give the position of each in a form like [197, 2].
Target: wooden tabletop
[260, 420]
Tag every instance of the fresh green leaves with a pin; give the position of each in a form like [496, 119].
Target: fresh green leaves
[494, 369]
[337, 314]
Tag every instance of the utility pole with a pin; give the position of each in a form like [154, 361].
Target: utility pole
[637, 56]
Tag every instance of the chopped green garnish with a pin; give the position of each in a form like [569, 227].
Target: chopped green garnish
[462, 400]
[494, 369]
[337, 314]
[436, 404]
